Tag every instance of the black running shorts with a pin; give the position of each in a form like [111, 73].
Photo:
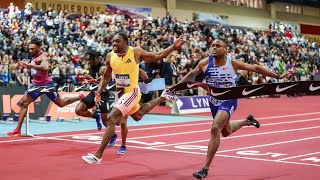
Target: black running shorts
[104, 107]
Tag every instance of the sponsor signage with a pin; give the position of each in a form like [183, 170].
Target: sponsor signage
[191, 104]
[10, 97]
[76, 6]
[154, 85]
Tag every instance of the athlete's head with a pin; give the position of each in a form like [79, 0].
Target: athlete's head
[120, 42]
[220, 47]
[93, 57]
[35, 46]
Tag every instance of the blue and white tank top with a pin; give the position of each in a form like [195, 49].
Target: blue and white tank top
[220, 77]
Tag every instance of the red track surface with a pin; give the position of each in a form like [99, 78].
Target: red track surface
[284, 148]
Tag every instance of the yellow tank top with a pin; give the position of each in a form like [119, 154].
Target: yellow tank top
[125, 69]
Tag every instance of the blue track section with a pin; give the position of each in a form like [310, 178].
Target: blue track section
[54, 127]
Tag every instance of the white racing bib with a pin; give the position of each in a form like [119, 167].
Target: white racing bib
[33, 71]
[123, 80]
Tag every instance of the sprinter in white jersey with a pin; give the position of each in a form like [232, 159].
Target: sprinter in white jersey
[220, 72]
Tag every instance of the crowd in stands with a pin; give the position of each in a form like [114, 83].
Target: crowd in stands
[67, 36]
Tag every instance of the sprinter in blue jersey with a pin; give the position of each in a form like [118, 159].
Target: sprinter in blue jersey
[221, 72]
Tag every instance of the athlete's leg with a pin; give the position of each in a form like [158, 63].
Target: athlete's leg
[221, 115]
[25, 101]
[146, 107]
[83, 107]
[82, 110]
[104, 117]
[124, 104]
[54, 96]
[124, 133]
[66, 101]
[110, 124]
[233, 126]
[85, 104]
[124, 130]
[219, 122]
[128, 102]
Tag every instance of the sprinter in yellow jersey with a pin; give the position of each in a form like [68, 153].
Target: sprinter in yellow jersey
[123, 61]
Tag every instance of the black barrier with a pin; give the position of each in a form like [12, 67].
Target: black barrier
[305, 87]
[10, 97]
[69, 87]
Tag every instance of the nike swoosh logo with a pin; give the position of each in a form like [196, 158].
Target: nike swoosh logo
[77, 88]
[93, 87]
[218, 94]
[312, 88]
[192, 85]
[245, 93]
[32, 89]
[46, 89]
[109, 87]
[278, 89]
[62, 88]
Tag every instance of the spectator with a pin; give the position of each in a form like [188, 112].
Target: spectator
[28, 12]
[5, 76]
[66, 37]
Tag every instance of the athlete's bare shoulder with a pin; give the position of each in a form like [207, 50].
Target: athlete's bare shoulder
[137, 51]
[108, 58]
[44, 57]
[203, 63]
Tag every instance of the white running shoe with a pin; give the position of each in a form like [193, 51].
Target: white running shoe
[168, 95]
[91, 159]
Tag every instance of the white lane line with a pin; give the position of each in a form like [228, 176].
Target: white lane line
[21, 140]
[270, 144]
[194, 124]
[292, 157]
[182, 125]
[188, 152]
[239, 136]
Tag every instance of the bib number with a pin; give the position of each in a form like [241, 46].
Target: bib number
[123, 80]
[33, 71]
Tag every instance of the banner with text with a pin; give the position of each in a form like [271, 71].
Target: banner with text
[210, 18]
[191, 104]
[10, 97]
[68, 112]
[74, 6]
[133, 12]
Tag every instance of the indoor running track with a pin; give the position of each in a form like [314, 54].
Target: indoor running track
[286, 147]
